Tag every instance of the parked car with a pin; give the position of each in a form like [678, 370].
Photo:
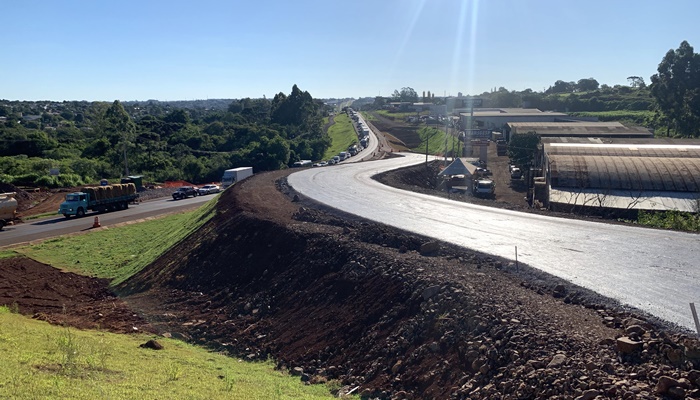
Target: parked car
[337, 159]
[484, 188]
[331, 161]
[185, 192]
[515, 173]
[208, 189]
[320, 164]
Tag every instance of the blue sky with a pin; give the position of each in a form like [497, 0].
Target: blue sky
[184, 50]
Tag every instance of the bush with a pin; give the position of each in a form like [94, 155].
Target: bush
[672, 219]
[25, 179]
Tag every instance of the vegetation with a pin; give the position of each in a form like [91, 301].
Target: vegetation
[118, 253]
[406, 94]
[633, 117]
[522, 149]
[670, 220]
[676, 89]
[89, 141]
[435, 138]
[46, 361]
[342, 135]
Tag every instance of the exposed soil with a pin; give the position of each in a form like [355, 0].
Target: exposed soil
[64, 298]
[390, 313]
[356, 301]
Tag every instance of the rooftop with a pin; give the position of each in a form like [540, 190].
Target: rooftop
[579, 128]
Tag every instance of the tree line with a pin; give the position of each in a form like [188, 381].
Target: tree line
[90, 141]
[672, 98]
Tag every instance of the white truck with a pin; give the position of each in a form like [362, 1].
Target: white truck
[8, 208]
[234, 175]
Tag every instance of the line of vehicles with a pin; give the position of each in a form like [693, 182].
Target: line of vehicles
[363, 141]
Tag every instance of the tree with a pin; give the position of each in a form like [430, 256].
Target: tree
[117, 124]
[406, 94]
[676, 88]
[522, 148]
[587, 85]
[636, 82]
[561, 87]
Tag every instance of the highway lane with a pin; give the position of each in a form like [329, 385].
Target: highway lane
[654, 270]
[58, 225]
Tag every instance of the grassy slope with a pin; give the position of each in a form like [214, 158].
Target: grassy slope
[36, 354]
[118, 253]
[436, 143]
[342, 135]
[47, 361]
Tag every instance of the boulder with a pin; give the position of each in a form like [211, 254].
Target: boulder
[664, 384]
[557, 361]
[429, 248]
[430, 292]
[152, 344]
[628, 346]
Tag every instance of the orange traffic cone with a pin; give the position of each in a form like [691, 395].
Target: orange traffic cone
[96, 224]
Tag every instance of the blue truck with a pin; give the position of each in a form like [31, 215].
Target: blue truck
[99, 198]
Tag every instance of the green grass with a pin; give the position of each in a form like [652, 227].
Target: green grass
[7, 254]
[118, 253]
[368, 116]
[342, 135]
[627, 116]
[42, 361]
[37, 216]
[400, 115]
[436, 141]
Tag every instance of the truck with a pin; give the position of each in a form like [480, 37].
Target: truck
[501, 147]
[234, 175]
[8, 208]
[99, 199]
[484, 188]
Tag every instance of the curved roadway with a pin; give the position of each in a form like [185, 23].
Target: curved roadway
[654, 270]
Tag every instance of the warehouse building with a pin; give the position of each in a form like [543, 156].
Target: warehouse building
[578, 174]
[578, 129]
[497, 118]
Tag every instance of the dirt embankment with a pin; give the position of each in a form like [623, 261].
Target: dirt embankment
[397, 315]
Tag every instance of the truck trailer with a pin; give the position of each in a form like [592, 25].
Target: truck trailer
[8, 208]
[99, 198]
[234, 175]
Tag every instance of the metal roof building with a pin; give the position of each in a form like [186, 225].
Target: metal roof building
[626, 174]
[579, 129]
[497, 118]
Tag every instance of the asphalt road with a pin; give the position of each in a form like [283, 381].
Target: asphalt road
[656, 271]
[55, 226]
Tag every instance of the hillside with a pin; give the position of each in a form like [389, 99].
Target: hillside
[397, 315]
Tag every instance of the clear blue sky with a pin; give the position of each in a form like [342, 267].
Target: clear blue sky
[183, 50]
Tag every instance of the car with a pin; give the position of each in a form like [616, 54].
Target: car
[208, 189]
[337, 159]
[185, 192]
[332, 161]
[320, 164]
[484, 188]
[515, 173]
